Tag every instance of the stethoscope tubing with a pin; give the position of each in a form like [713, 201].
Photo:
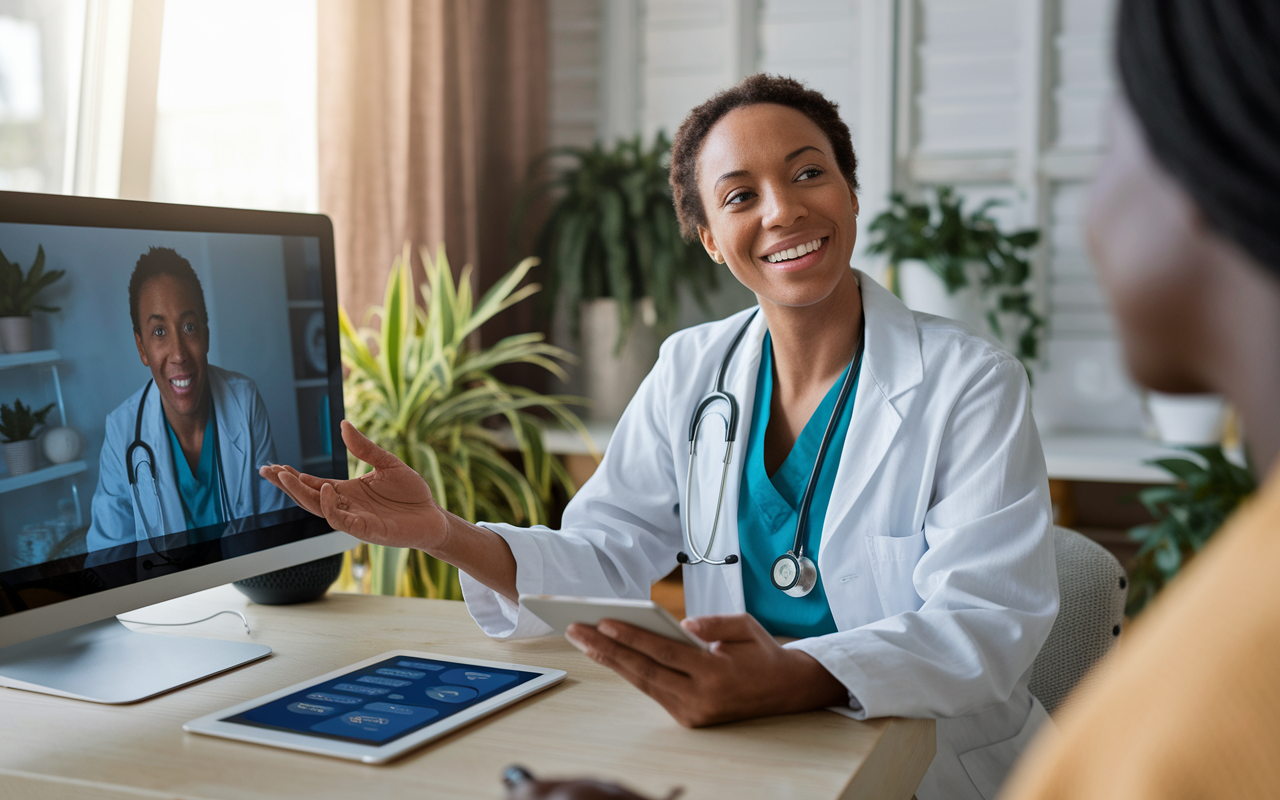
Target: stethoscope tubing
[150, 459]
[731, 429]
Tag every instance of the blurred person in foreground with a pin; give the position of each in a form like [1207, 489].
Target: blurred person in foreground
[1185, 230]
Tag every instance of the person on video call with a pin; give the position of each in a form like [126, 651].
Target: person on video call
[182, 452]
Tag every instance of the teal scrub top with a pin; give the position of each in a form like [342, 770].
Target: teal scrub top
[768, 508]
[201, 499]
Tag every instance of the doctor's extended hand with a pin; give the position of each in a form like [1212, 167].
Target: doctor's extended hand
[746, 673]
[393, 506]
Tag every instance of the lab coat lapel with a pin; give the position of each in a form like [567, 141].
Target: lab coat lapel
[891, 366]
[231, 440]
[740, 381]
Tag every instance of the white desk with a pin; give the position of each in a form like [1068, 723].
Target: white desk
[592, 724]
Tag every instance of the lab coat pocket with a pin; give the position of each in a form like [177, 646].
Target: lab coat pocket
[989, 765]
[893, 561]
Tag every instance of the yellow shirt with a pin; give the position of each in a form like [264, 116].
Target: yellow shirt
[1188, 705]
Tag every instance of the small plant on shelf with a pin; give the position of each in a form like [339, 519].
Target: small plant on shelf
[939, 233]
[18, 292]
[1187, 514]
[18, 422]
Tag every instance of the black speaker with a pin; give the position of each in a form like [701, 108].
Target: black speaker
[300, 584]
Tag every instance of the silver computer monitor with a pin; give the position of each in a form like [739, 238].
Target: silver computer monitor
[190, 346]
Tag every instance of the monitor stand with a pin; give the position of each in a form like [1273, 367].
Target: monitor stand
[105, 662]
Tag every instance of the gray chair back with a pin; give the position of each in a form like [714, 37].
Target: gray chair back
[1093, 586]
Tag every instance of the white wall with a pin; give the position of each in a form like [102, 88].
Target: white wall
[1003, 98]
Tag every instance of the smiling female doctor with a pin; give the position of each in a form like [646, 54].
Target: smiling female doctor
[180, 453]
[928, 518]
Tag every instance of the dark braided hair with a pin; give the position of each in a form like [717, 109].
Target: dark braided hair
[749, 91]
[1203, 78]
[159, 261]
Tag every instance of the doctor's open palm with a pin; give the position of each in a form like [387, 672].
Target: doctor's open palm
[391, 505]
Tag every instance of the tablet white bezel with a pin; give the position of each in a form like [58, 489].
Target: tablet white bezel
[561, 610]
[215, 724]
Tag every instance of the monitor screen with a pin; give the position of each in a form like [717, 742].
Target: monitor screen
[189, 347]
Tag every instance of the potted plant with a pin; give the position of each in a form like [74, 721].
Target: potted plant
[615, 259]
[956, 265]
[1187, 514]
[420, 389]
[17, 427]
[18, 300]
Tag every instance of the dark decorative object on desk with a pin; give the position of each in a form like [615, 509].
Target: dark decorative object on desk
[300, 584]
[1187, 514]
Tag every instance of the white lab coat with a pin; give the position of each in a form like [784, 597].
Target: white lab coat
[244, 437]
[936, 554]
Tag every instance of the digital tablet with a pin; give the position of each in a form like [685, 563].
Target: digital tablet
[380, 708]
[561, 610]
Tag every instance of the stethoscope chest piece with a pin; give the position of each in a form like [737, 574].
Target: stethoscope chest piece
[795, 575]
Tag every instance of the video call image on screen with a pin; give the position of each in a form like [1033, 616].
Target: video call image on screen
[183, 361]
[383, 701]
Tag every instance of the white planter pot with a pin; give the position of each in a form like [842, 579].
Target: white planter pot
[20, 457]
[611, 379]
[923, 290]
[1187, 419]
[15, 334]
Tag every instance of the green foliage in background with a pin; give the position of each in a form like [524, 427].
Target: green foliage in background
[1187, 514]
[18, 292]
[939, 233]
[420, 389]
[612, 231]
[19, 421]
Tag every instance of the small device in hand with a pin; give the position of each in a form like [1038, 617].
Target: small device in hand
[560, 611]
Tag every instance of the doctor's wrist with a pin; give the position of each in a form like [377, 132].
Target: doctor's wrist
[813, 687]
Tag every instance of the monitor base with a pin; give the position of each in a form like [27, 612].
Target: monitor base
[105, 662]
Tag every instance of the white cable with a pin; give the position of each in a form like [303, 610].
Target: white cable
[192, 622]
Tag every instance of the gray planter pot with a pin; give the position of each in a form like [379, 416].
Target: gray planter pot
[20, 457]
[15, 334]
[610, 379]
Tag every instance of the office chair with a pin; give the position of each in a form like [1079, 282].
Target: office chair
[1093, 587]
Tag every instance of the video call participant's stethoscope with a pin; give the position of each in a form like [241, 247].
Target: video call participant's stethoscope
[793, 572]
[150, 460]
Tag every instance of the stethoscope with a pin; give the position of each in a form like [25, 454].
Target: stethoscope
[793, 572]
[149, 459]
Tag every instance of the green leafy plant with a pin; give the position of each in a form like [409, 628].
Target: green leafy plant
[612, 231]
[420, 389]
[18, 422]
[18, 292]
[1187, 515]
[941, 235]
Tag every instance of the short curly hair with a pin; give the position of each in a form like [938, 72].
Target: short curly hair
[750, 91]
[159, 261]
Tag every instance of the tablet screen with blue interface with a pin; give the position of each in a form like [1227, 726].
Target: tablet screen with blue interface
[383, 701]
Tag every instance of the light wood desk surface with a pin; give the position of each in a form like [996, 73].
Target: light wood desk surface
[593, 724]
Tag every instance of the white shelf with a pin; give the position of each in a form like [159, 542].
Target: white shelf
[42, 476]
[8, 360]
[1113, 458]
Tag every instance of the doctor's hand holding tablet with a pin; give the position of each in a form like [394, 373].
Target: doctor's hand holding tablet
[829, 467]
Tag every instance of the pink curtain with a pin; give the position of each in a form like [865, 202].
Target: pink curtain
[429, 114]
